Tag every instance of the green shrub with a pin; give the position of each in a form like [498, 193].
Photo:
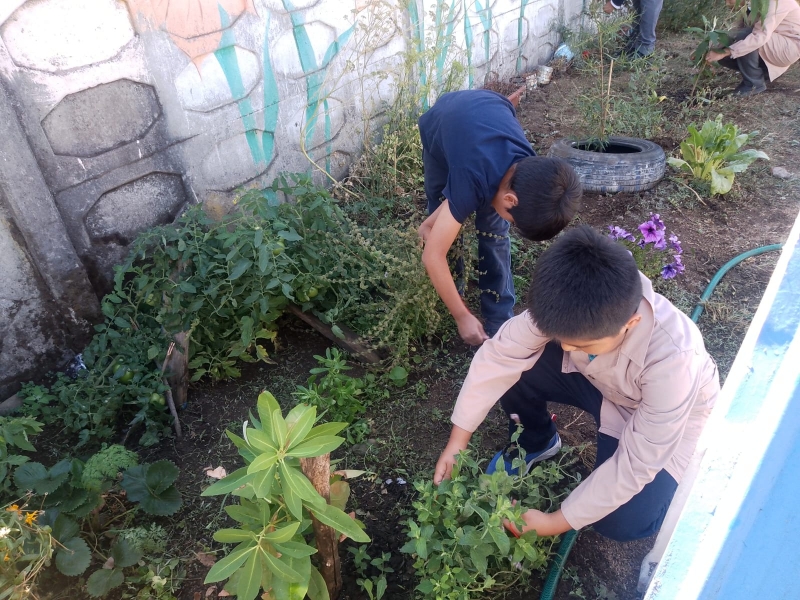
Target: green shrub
[457, 539]
[713, 154]
[276, 505]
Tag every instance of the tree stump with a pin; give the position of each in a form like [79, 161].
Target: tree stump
[318, 471]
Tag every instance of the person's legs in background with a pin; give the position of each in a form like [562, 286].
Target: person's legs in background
[750, 66]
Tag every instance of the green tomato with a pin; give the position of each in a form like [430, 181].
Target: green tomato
[312, 292]
[156, 399]
[127, 376]
[278, 249]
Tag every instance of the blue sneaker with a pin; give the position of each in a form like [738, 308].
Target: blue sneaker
[507, 455]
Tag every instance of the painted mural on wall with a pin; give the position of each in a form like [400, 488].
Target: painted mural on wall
[135, 108]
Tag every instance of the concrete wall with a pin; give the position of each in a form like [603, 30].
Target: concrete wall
[132, 109]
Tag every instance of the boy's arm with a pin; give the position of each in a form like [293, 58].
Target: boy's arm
[459, 438]
[425, 229]
[441, 236]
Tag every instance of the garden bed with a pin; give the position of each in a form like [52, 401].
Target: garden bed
[409, 428]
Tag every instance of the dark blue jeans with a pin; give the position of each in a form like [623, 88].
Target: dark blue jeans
[643, 514]
[494, 268]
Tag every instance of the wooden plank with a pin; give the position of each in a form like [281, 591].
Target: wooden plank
[351, 342]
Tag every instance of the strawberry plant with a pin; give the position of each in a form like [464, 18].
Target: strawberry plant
[457, 539]
[277, 502]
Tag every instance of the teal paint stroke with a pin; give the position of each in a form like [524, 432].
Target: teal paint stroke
[226, 56]
[485, 15]
[418, 30]
[315, 74]
[271, 99]
[522, 7]
[468, 39]
[443, 41]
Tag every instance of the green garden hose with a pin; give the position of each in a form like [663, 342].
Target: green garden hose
[698, 310]
[560, 559]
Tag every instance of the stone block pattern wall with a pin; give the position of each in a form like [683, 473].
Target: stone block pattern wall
[132, 109]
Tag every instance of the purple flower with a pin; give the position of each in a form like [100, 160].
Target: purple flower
[661, 243]
[679, 266]
[656, 219]
[669, 271]
[651, 232]
[641, 243]
[618, 233]
[675, 244]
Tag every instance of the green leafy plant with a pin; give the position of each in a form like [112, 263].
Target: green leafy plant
[156, 579]
[277, 502]
[711, 38]
[339, 396]
[152, 486]
[102, 468]
[714, 155]
[122, 374]
[14, 433]
[457, 538]
[374, 585]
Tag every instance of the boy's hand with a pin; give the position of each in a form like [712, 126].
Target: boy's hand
[543, 524]
[471, 330]
[608, 8]
[459, 440]
[446, 462]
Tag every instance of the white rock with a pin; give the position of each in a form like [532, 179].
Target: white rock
[781, 173]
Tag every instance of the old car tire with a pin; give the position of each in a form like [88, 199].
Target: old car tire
[626, 165]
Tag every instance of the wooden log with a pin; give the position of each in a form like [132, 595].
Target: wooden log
[178, 369]
[170, 402]
[318, 471]
[351, 342]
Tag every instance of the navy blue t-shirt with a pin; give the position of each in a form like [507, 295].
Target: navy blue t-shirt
[470, 139]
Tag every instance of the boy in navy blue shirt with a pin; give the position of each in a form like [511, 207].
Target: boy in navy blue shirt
[477, 160]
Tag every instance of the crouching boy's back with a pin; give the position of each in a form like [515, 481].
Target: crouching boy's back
[596, 336]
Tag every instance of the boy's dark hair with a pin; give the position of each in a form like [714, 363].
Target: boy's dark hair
[549, 192]
[584, 286]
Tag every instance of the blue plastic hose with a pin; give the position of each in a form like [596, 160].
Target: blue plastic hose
[560, 559]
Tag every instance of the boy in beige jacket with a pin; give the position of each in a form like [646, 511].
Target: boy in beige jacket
[595, 336]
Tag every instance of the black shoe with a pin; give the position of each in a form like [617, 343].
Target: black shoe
[748, 89]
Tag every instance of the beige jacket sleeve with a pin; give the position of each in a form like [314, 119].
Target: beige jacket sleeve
[647, 443]
[761, 32]
[498, 365]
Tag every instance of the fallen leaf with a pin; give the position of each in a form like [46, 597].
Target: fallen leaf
[197, 596]
[217, 473]
[109, 564]
[349, 473]
[206, 559]
[210, 591]
[223, 594]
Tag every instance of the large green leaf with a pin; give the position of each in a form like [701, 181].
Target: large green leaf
[316, 446]
[103, 581]
[64, 528]
[326, 429]
[293, 590]
[293, 502]
[280, 430]
[284, 534]
[244, 448]
[260, 441]
[150, 486]
[300, 420]
[227, 484]
[233, 536]
[74, 558]
[266, 406]
[262, 462]
[124, 554]
[36, 477]
[720, 184]
[243, 514]
[501, 539]
[295, 549]
[262, 482]
[300, 485]
[317, 590]
[280, 568]
[340, 493]
[249, 583]
[225, 567]
[341, 522]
